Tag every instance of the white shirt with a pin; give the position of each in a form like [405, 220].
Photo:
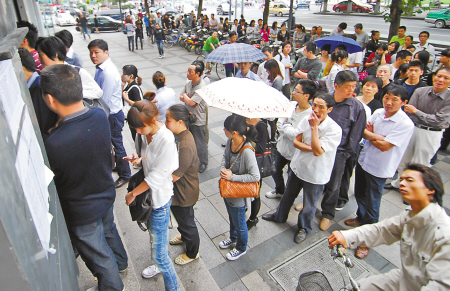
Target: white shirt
[429, 48]
[333, 72]
[308, 167]
[397, 130]
[159, 160]
[262, 73]
[165, 97]
[288, 132]
[393, 71]
[355, 58]
[285, 61]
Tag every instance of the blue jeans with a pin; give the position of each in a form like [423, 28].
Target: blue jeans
[311, 195]
[84, 31]
[280, 163]
[368, 191]
[101, 248]
[230, 72]
[158, 225]
[238, 226]
[131, 42]
[159, 44]
[116, 122]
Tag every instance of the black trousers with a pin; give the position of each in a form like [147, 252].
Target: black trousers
[187, 228]
[345, 181]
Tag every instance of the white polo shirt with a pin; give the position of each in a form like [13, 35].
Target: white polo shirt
[397, 130]
[317, 169]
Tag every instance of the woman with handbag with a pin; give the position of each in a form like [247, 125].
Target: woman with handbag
[239, 167]
[185, 183]
[261, 146]
[159, 159]
[131, 92]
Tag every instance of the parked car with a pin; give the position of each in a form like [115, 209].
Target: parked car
[440, 19]
[356, 7]
[47, 20]
[75, 12]
[167, 10]
[223, 9]
[65, 19]
[278, 9]
[304, 5]
[105, 23]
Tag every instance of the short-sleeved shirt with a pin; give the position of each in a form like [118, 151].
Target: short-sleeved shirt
[337, 32]
[362, 38]
[401, 41]
[317, 169]
[186, 189]
[208, 42]
[200, 110]
[397, 130]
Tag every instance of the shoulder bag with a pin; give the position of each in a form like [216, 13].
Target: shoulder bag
[230, 189]
[266, 160]
[126, 106]
[141, 208]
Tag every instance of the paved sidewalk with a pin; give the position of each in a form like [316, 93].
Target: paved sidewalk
[269, 243]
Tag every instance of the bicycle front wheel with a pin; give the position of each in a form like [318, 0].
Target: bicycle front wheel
[220, 71]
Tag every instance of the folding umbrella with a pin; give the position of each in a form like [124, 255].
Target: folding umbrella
[235, 53]
[335, 40]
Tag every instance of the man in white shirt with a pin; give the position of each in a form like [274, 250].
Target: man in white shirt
[425, 46]
[403, 57]
[318, 139]
[262, 73]
[108, 78]
[213, 22]
[388, 134]
[287, 128]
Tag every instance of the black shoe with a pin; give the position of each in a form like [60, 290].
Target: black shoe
[224, 144]
[120, 182]
[389, 187]
[252, 223]
[300, 236]
[114, 169]
[406, 202]
[202, 168]
[340, 205]
[269, 216]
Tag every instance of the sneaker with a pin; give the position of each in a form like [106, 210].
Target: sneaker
[164, 55]
[234, 254]
[150, 272]
[273, 194]
[340, 205]
[160, 57]
[226, 243]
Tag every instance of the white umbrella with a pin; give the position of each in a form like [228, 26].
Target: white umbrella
[248, 98]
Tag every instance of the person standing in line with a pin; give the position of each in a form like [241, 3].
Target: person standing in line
[429, 109]
[96, 23]
[84, 28]
[186, 184]
[159, 159]
[387, 136]
[244, 72]
[350, 115]
[132, 92]
[424, 45]
[160, 39]
[422, 231]
[238, 149]
[285, 59]
[108, 78]
[29, 42]
[165, 96]
[339, 59]
[370, 86]
[339, 31]
[361, 36]
[72, 57]
[129, 26]
[287, 128]
[197, 106]
[309, 66]
[413, 81]
[78, 149]
[317, 141]
[140, 32]
[372, 45]
[262, 72]
[384, 73]
[403, 57]
[400, 37]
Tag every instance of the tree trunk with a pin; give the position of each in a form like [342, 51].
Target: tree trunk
[291, 14]
[153, 3]
[325, 5]
[377, 6]
[146, 6]
[266, 12]
[349, 6]
[200, 7]
[395, 15]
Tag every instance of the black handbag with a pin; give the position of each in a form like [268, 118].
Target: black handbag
[266, 160]
[141, 208]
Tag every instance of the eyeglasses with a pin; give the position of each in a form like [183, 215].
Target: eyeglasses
[297, 92]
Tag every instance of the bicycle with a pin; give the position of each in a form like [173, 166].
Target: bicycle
[317, 281]
[220, 68]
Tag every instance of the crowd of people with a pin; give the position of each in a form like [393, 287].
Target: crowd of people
[376, 123]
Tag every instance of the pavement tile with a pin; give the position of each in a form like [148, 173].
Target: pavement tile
[444, 166]
[254, 281]
[285, 238]
[391, 253]
[218, 202]
[210, 187]
[265, 230]
[388, 209]
[388, 268]
[210, 219]
[236, 286]
[203, 177]
[224, 275]
[209, 253]
[214, 149]
[374, 259]
[218, 140]
[395, 197]
[215, 174]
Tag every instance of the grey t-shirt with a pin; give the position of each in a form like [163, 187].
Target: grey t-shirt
[200, 110]
[311, 67]
[362, 38]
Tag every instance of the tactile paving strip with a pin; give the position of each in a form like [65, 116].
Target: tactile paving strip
[317, 257]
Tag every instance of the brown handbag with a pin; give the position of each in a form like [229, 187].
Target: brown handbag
[230, 189]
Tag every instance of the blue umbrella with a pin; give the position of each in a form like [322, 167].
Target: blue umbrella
[235, 53]
[335, 40]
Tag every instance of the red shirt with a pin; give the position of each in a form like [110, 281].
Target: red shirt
[387, 57]
[35, 55]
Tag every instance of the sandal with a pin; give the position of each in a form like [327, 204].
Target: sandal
[181, 261]
[175, 241]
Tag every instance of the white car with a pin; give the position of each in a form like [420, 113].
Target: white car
[65, 19]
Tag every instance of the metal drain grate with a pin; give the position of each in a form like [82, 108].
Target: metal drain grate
[316, 257]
